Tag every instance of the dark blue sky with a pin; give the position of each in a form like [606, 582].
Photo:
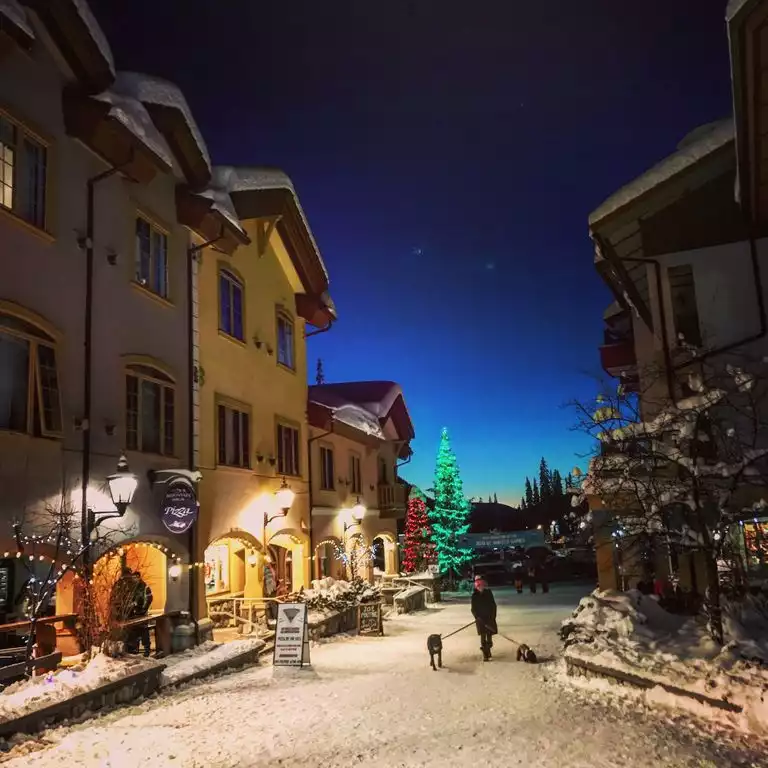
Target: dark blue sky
[447, 154]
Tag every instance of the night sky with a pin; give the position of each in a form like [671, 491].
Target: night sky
[448, 154]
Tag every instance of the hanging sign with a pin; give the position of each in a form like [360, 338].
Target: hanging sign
[179, 506]
[291, 635]
[369, 619]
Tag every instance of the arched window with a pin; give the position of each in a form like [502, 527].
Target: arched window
[30, 400]
[231, 294]
[150, 410]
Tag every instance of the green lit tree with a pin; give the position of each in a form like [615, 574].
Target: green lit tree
[449, 519]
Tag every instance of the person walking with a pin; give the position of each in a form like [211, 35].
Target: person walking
[142, 601]
[484, 611]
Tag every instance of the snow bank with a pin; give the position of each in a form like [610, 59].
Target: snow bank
[630, 633]
[28, 696]
[207, 656]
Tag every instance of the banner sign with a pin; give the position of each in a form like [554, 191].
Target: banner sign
[179, 506]
[369, 619]
[524, 539]
[291, 635]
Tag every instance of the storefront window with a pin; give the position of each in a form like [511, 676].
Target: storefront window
[217, 569]
[756, 544]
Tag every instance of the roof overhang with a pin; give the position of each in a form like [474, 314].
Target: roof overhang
[210, 221]
[81, 41]
[321, 416]
[747, 30]
[15, 24]
[90, 120]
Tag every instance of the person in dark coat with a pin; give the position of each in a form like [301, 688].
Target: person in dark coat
[484, 611]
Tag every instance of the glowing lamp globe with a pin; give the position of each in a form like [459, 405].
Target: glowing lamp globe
[174, 571]
[122, 486]
[358, 511]
[285, 497]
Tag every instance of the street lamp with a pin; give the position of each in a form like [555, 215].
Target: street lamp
[122, 486]
[357, 513]
[285, 497]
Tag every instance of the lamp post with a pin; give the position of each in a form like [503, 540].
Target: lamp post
[284, 497]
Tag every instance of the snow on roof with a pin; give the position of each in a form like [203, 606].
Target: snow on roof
[249, 179]
[222, 203]
[134, 116]
[734, 7]
[97, 33]
[378, 397]
[154, 90]
[358, 418]
[13, 11]
[695, 146]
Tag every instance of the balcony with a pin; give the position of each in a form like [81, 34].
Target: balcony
[392, 501]
[618, 357]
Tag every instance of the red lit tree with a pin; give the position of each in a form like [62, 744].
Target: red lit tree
[419, 550]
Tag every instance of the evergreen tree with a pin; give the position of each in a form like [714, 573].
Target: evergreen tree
[528, 493]
[557, 484]
[545, 488]
[450, 518]
[523, 505]
[419, 551]
[536, 496]
[319, 373]
[569, 480]
[495, 500]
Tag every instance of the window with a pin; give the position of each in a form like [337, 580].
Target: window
[285, 346]
[29, 381]
[326, 469]
[231, 305]
[151, 257]
[684, 310]
[23, 163]
[234, 435]
[150, 406]
[288, 451]
[355, 473]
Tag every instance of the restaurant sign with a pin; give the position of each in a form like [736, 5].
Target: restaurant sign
[522, 539]
[180, 506]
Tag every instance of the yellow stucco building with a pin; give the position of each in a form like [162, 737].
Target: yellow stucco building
[253, 308]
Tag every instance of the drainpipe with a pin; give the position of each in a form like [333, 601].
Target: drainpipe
[325, 329]
[192, 253]
[86, 516]
[309, 493]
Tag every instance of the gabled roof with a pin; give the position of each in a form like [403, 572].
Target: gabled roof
[698, 144]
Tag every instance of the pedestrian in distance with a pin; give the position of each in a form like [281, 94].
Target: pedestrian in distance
[484, 611]
[532, 579]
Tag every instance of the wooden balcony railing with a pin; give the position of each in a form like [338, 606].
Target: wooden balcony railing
[391, 497]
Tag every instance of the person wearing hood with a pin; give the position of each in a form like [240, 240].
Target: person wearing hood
[484, 611]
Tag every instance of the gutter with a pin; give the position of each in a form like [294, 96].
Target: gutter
[192, 253]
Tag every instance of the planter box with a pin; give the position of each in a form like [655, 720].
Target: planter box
[345, 621]
[411, 599]
[122, 691]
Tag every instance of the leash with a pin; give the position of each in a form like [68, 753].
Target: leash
[455, 632]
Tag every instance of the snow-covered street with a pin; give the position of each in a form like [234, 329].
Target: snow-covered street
[375, 701]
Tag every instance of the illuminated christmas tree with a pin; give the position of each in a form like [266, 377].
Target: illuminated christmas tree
[450, 518]
[419, 551]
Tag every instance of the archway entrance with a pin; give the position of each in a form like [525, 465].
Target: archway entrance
[231, 567]
[327, 560]
[385, 559]
[289, 559]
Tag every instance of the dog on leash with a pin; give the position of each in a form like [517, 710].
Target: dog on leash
[525, 653]
[435, 648]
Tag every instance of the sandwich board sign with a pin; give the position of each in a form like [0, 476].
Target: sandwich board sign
[291, 636]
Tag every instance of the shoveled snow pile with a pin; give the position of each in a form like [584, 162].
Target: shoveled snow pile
[206, 656]
[629, 632]
[329, 596]
[28, 696]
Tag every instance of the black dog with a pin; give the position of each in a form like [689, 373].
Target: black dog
[526, 654]
[435, 648]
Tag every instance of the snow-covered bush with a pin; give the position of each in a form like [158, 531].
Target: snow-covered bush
[330, 596]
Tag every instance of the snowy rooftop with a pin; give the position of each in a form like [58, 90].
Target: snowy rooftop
[154, 90]
[734, 8]
[97, 33]
[696, 145]
[377, 397]
[253, 179]
[222, 203]
[134, 116]
[13, 11]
